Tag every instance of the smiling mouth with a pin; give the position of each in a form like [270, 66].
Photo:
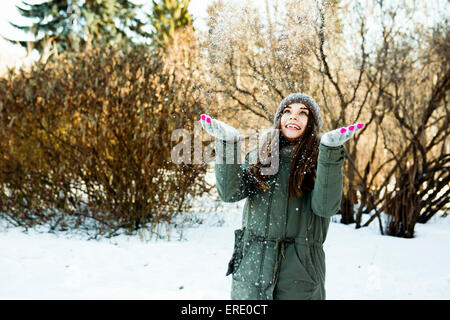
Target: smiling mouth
[292, 126]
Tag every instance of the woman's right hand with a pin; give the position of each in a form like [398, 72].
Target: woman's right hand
[219, 129]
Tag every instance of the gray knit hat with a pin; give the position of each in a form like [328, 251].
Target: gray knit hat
[309, 102]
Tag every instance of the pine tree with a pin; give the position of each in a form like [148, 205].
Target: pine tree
[70, 24]
[166, 17]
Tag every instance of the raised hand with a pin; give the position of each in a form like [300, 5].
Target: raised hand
[337, 137]
[219, 129]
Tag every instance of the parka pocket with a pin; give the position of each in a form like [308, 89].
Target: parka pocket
[236, 258]
[304, 264]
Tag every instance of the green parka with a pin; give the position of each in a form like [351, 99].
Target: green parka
[278, 252]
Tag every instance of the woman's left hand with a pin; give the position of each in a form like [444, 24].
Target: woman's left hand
[337, 137]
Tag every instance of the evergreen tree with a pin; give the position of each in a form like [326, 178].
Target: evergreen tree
[70, 24]
[166, 17]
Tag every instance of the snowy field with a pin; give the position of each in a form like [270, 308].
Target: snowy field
[361, 264]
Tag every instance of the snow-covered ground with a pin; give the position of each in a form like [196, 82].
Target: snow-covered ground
[361, 264]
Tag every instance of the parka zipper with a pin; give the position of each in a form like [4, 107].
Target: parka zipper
[266, 234]
[272, 281]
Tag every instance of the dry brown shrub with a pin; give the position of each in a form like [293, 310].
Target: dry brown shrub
[85, 140]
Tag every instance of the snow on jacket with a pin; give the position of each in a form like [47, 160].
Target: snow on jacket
[278, 252]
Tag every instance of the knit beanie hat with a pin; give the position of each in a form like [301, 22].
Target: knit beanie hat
[309, 102]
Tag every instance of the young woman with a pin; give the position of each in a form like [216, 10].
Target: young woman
[278, 252]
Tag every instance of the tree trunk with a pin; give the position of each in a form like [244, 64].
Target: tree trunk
[348, 201]
[403, 207]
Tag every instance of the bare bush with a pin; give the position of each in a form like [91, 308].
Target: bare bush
[87, 138]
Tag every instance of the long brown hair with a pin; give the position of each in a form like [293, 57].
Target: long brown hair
[302, 173]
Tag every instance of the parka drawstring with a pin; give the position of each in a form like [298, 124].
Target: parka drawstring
[280, 249]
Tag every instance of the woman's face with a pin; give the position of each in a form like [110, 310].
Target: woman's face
[293, 121]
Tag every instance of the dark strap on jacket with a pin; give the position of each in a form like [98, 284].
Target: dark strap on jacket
[280, 248]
